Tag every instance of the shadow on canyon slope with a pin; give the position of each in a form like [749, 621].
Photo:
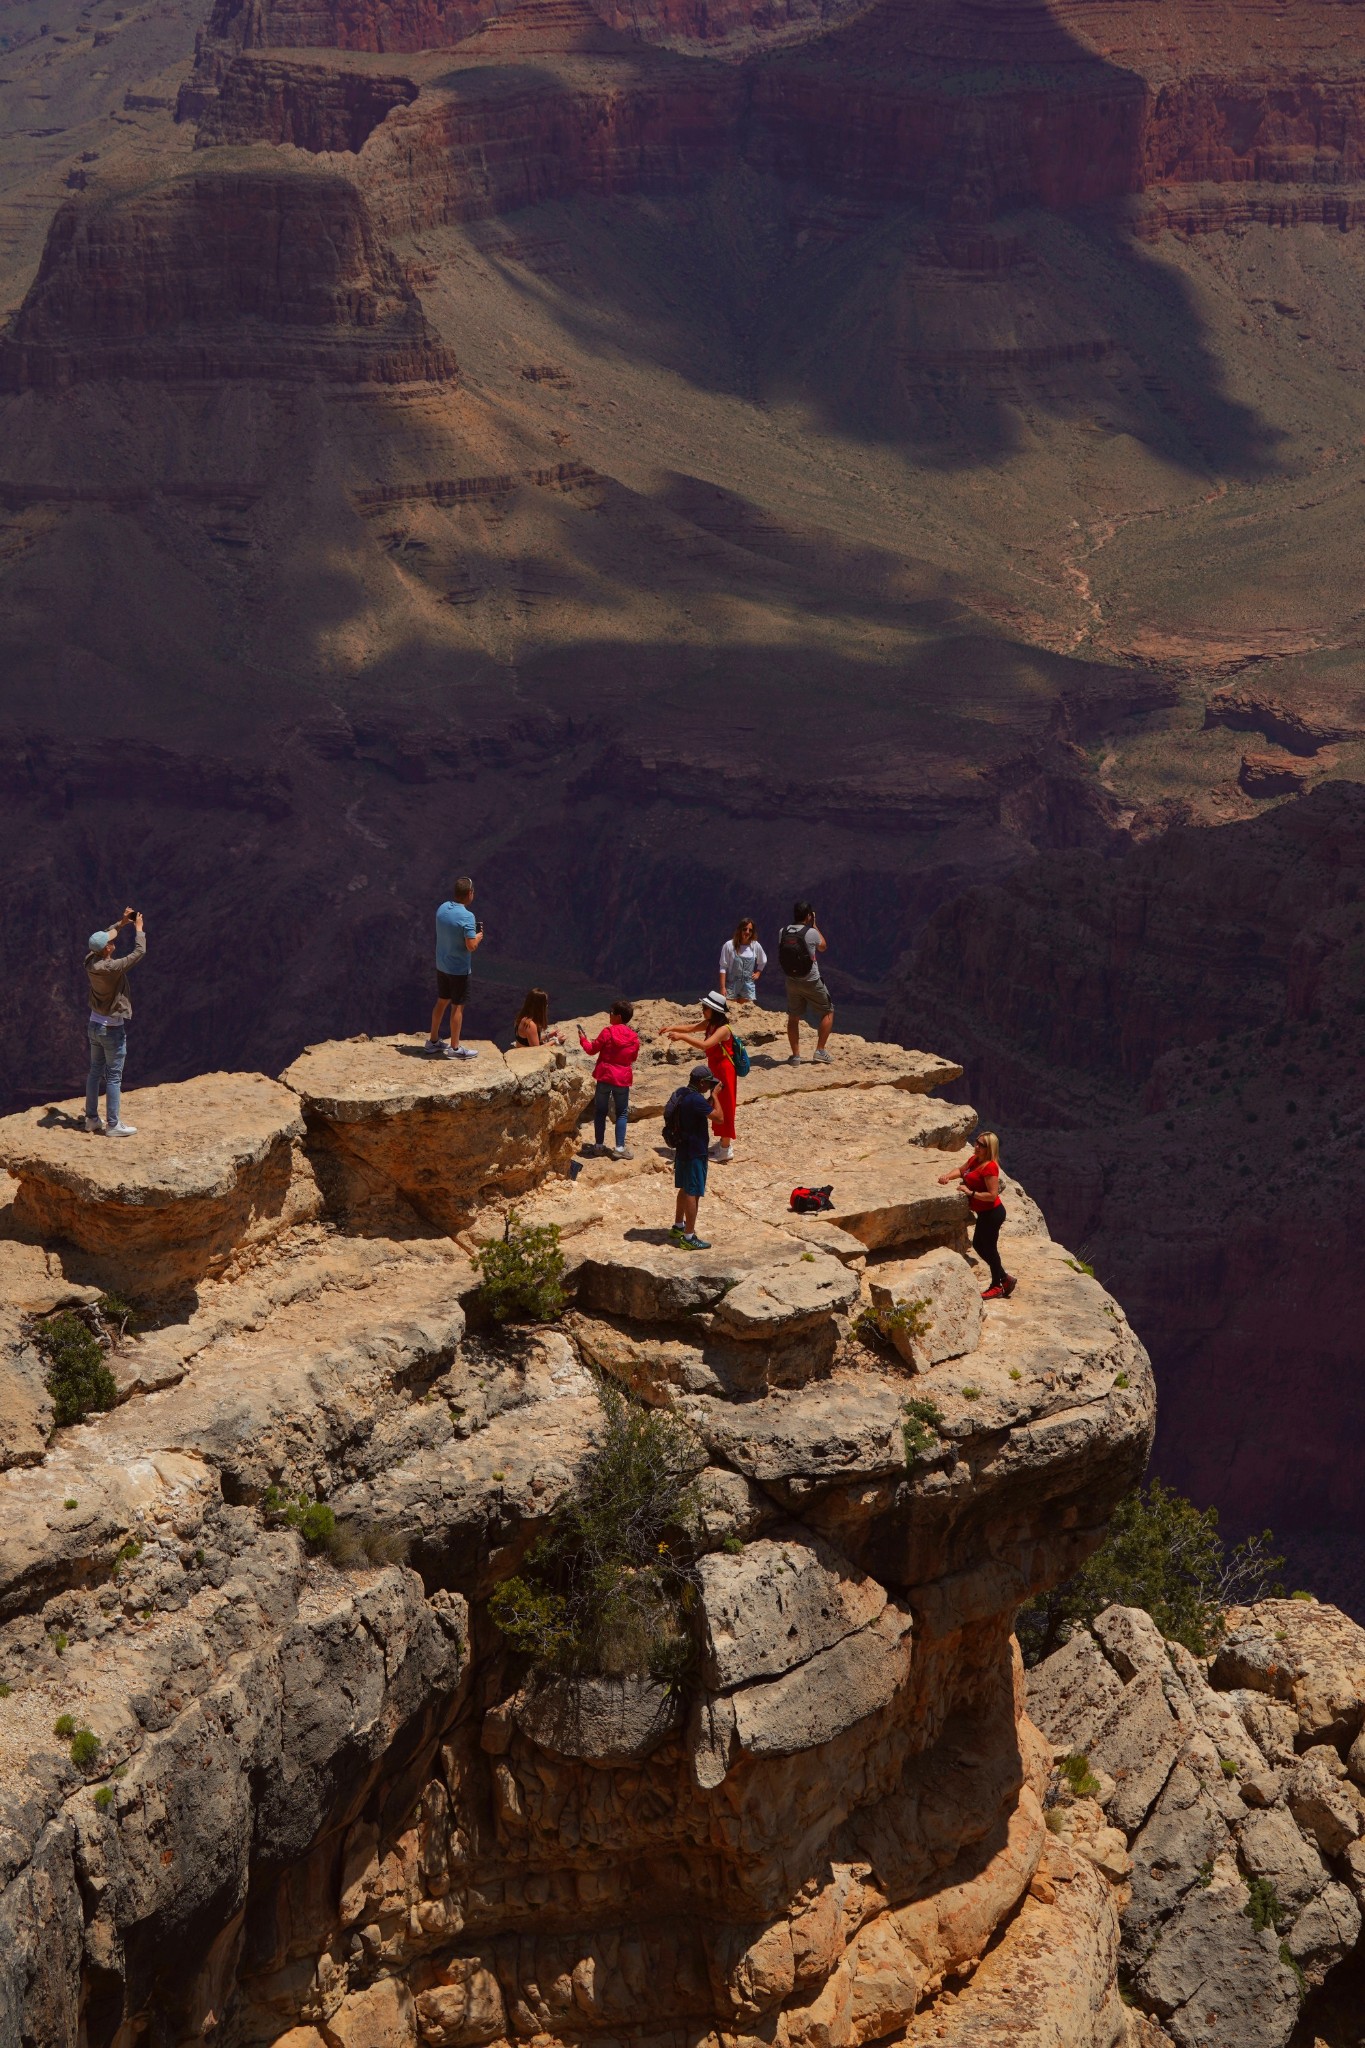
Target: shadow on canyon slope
[1173, 1045]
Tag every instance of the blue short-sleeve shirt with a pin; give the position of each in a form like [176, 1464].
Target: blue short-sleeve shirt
[454, 925]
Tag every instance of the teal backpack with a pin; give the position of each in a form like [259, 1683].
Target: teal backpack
[741, 1057]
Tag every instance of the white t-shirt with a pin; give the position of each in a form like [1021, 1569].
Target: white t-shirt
[751, 959]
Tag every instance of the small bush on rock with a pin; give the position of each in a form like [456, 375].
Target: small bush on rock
[85, 1747]
[1079, 1777]
[921, 1422]
[521, 1278]
[77, 1377]
[1263, 1908]
[1165, 1555]
[607, 1589]
[104, 1798]
[878, 1327]
[64, 1727]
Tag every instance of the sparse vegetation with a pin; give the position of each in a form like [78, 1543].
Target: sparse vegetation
[732, 1545]
[970, 1393]
[1228, 1766]
[70, 1503]
[5, 1691]
[608, 1587]
[879, 1327]
[1165, 1555]
[1079, 1777]
[1291, 1962]
[1204, 1877]
[85, 1747]
[921, 1422]
[77, 1377]
[1263, 1908]
[522, 1276]
[1082, 1266]
[1122, 1381]
[346, 1540]
[64, 1727]
[104, 1798]
[1015, 1373]
[60, 1644]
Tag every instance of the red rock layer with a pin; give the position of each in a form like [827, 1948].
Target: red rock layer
[314, 109]
[224, 274]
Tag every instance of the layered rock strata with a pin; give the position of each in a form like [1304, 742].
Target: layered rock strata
[1226, 1792]
[326, 1807]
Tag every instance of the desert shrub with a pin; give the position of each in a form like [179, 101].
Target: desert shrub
[1079, 1776]
[607, 1589]
[877, 1327]
[1165, 1555]
[64, 1727]
[104, 1798]
[346, 1540]
[77, 1377]
[521, 1277]
[1263, 1908]
[920, 1423]
[85, 1747]
[6, 1691]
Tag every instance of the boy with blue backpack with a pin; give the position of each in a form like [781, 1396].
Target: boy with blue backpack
[687, 1128]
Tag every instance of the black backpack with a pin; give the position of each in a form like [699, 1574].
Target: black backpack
[672, 1134]
[793, 954]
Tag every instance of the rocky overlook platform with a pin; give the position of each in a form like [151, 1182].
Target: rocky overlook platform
[326, 1806]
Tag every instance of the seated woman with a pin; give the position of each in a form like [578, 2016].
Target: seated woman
[980, 1176]
[714, 1037]
[533, 1021]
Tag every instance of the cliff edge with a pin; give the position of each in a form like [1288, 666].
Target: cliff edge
[271, 1772]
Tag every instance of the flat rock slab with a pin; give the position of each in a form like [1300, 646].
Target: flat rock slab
[855, 1062]
[930, 1305]
[830, 1692]
[395, 1133]
[214, 1173]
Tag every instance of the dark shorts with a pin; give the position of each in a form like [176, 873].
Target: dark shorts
[689, 1176]
[810, 999]
[452, 988]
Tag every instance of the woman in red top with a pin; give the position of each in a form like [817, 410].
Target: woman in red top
[617, 1048]
[715, 1040]
[981, 1178]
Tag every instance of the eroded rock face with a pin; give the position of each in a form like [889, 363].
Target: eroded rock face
[327, 1806]
[1238, 1874]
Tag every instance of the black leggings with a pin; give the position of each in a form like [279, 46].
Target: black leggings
[986, 1241]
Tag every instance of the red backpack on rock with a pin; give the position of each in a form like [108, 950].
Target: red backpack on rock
[806, 1201]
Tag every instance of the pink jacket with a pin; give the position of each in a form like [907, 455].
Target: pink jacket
[617, 1049]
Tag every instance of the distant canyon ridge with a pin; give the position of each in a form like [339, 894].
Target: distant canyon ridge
[669, 461]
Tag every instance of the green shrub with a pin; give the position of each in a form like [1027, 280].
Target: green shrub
[1122, 1381]
[1079, 1776]
[113, 1310]
[85, 1747]
[104, 1798]
[1303, 1596]
[732, 1545]
[1015, 1373]
[1081, 1266]
[607, 1589]
[77, 1377]
[521, 1278]
[1165, 1555]
[1263, 1908]
[1291, 1962]
[879, 1327]
[1204, 1875]
[316, 1524]
[971, 1393]
[1228, 1766]
[920, 1423]
[6, 1691]
[60, 1644]
[64, 1726]
[70, 1503]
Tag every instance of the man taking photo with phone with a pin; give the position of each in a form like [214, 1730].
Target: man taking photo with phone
[110, 1010]
[458, 938]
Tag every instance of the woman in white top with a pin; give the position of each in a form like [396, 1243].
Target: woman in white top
[742, 961]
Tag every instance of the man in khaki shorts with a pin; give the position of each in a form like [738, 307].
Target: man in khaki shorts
[797, 949]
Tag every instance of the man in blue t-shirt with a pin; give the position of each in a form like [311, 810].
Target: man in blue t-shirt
[458, 938]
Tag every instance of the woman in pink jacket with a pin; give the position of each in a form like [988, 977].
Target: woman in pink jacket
[617, 1049]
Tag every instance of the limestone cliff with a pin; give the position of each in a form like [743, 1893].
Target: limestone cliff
[324, 1803]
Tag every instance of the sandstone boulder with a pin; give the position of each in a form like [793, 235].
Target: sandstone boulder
[783, 1599]
[931, 1306]
[1326, 1930]
[1322, 1801]
[215, 1172]
[830, 1692]
[396, 1134]
[1272, 1847]
[784, 1299]
[1175, 1850]
[1070, 1693]
[1136, 1742]
[1317, 1655]
[1132, 1641]
[600, 1720]
[1215, 1982]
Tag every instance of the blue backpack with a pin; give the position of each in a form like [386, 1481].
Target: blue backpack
[741, 1056]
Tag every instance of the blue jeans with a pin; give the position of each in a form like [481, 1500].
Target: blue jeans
[609, 1097]
[108, 1047]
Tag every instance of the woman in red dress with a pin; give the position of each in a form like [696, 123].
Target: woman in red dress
[980, 1176]
[714, 1038]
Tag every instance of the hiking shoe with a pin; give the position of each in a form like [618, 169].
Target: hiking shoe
[1011, 1282]
[620, 1152]
[694, 1243]
[995, 1293]
[826, 1059]
[677, 1235]
[462, 1052]
[120, 1130]
[793, 1059]
[95, 1124]
[434, 1049]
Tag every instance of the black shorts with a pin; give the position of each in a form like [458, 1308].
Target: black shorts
[451, 988]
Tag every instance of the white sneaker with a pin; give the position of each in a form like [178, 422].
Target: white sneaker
[620, 1152]
[121, 1130]
[724, 1155]
[826, 1059]
[95, 1124]
[462, 1052]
